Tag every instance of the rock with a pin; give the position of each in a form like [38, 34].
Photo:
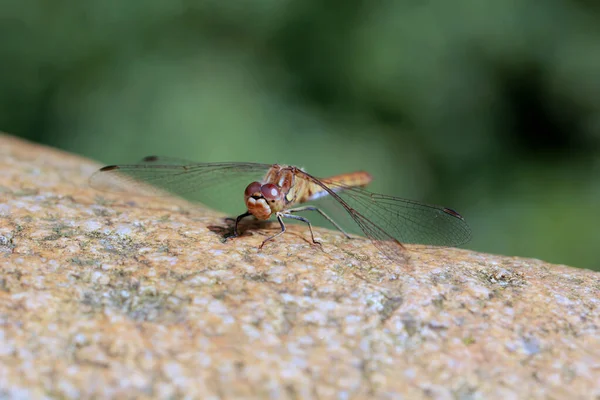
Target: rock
[105, 296]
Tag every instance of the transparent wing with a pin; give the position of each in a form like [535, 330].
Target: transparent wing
[389, 221]
[213, 184]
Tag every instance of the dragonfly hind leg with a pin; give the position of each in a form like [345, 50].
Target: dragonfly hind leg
[327, 217]
[299, 218]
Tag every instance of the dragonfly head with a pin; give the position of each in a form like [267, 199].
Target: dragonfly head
[263, 200]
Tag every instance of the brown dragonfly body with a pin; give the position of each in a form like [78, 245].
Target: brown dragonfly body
[277, 190]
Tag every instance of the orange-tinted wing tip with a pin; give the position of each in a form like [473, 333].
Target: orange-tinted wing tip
[453, 213]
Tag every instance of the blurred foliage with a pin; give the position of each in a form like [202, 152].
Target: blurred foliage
[488, 107]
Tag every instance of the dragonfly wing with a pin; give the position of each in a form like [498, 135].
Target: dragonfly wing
[389, 221]
[158, 176]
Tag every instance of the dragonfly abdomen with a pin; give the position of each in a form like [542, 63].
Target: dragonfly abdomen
[339, 182]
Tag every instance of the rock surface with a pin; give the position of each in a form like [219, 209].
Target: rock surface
[105, 296]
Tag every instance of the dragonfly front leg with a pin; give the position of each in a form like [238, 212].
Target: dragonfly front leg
[311, 208]
[237, 221]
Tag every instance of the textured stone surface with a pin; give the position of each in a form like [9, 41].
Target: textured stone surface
[104, 296]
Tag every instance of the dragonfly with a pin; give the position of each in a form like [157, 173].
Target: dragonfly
[280, 191]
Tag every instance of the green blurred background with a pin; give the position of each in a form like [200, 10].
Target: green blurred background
[488, 107]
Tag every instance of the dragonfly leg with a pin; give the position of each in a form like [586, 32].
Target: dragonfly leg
[275, 235]
[237, 221]
[299, 218]
[327, 217]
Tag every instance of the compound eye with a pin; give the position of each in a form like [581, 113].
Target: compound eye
[270, 191]
[252, 188]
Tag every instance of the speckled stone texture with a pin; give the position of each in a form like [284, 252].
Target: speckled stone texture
[103, 296]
